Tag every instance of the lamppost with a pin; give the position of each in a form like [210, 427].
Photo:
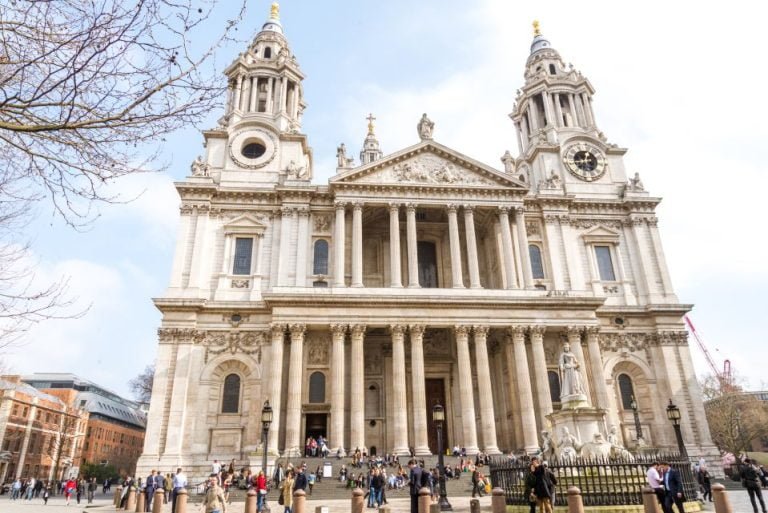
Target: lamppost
[438, 417]
[638, 427]
[673, 414]
[266, 420]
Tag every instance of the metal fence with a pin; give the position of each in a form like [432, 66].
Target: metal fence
[602, 481]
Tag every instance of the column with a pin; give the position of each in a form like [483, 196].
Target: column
[399, 399]
[338, 332]
[558, 109]
[339, 234]
[357, 245]
[580, 110]
[572, 105]
[548, 112]
[661, 260]
[598, 376]
[525, 395]
[418, 395]
[525, 256]
[293, 446]
[551, 232]
[513, 398]
[302, 246]
[469, 230]
[587, 109]
[453, 233]
[638, 225]
[413, 255]
[466, 390]
[533, 116]
[276, 383]
[506, 246]
[572, 255]
[283, 95]
[238, 93]
[253, 94]
[396, 280]
[574, 339]
[270, 82]
[487, 414]
[357, 399]
[519, 133]
[543, 395]
[286, 230]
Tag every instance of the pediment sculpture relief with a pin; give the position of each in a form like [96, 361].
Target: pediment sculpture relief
[427, 169]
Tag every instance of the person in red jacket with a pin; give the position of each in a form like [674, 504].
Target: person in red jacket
[69, 489]
[261, 490]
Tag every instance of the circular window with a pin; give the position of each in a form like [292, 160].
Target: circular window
[253, 150]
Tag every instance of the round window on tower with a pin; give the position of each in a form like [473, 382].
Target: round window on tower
[253, 150]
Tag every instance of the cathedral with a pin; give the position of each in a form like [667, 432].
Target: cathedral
[412, 279]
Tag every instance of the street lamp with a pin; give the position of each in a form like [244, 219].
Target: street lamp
[438, 417]
[266, 420]
[638, 427]
[673, 414]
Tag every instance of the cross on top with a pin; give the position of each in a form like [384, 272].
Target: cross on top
[370, 119]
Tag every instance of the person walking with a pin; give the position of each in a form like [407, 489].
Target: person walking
[705, 481]
[214, 501]
[673, 486]
[530, 486]
[179, 482]
[545, 487]
[750, 479]
[415, 483]
[261, 490]
[286, 492]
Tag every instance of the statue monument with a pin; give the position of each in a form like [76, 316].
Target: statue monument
[571, 386]
[425, 127]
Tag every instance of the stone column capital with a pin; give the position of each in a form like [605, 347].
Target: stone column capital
[297, 331]
[461, 331]
[468, 209]
[574, 331]
[592, 331]
[358, 330]
[358, 205]
[503, 210]
[394, 207]
[277, 329]
[302, 211]
[410, 207]
[452, 208]
[519, 211]
[480, 331]
[340, 205]
[416, 330]
[338, 329]
[537, 330]
[397, 330]
[517, 331]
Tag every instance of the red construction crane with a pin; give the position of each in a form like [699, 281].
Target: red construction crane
[724, 377]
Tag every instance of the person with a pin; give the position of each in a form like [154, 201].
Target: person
[653, 478]
[415, 482]
[300, 481]
[376, 488]
[477, 484]
[46, 494]
[214, 501]
[179, 482]
[705, 481]
[69, 488]
[311, 481]
[168, 488]
[750, 479]
[673, 486]
[530, 485]
[149, 490]
[80, 489]
[286, 492]
[92, 486]
[261, 490]
[544, 488]
[277, 476]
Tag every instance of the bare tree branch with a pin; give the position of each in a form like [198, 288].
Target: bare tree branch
[141, 385]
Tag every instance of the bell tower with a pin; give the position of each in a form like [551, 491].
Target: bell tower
[561, 147]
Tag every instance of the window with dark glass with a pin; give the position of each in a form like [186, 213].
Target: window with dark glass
[243, 251]
[320, 261]
[605, 263]
[427, 261]
[317, 387]
[537, 264]
[230, 400]
[554, 386]
[626, 391]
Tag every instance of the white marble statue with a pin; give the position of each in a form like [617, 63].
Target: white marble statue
[425, 127]
[509, 162]
[635, 184]
[597, 448]
[570, 377]
[295, 171]
[617, 448]
[341, 157]
[199, 167]
[547, 446]
[569, 445]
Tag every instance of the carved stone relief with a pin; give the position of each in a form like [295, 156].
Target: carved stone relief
[427, 169]
[437, 343]
[322, 223]
[247, 342]
[317, 349]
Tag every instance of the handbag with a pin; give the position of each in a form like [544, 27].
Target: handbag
[280, 500]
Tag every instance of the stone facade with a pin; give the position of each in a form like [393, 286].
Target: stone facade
[415, 278]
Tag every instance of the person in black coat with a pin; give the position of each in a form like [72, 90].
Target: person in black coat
[750, 479]
[545, 487]
[673, 487]
[415, 483]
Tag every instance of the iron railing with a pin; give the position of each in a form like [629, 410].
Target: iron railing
[602, 481]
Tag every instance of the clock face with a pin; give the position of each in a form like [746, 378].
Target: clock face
[584, 161]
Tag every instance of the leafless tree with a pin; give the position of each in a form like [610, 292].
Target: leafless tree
[141, 385]
[88, 91]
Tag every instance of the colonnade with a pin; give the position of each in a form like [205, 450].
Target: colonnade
[529, 395]
[562, 109]
[513, 276]
[279, 94]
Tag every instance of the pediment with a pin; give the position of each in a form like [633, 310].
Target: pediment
[601, 233]
[428, 164]
[244, 224]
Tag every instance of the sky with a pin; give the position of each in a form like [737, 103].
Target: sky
[680, 84]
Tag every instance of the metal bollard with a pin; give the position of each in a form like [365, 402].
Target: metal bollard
[118, 495]
[650, 501]
[299, 501]
[474, 506]
[357, 500]
[250, 501]
[498, 500]
[425, 499]
[157, 503]
[720, 498]
[575, 504]
[141, 502]
[130, 503]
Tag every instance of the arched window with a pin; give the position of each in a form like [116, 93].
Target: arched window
[320, 261]
[230, 399]
[626, 391]
[552, 69]
[537, 264]
[554, 386]
[317, 387]
[267, 53]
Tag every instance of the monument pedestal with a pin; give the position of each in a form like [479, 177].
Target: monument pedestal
[582, 422]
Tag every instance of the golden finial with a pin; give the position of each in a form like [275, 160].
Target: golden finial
[370, 119]
[536, 28]
[275, 11]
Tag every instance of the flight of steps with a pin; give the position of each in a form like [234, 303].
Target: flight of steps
[332, 488]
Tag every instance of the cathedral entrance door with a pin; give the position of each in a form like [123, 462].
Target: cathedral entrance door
[435, 392]
[316, 425]
[427, 257]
